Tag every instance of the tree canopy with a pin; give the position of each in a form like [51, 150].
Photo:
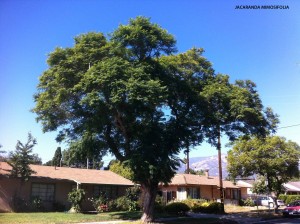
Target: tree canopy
[22, 157]
[121, 169]
[130, 95]
[273, 158]
[236, 109]
[56, 160]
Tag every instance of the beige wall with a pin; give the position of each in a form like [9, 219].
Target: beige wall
[208, 192]
[10, 188]
[244, 193]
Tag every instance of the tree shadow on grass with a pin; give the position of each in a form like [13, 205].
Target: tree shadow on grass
[188, 220]
[126, 215]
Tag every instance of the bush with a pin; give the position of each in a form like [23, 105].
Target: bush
[248, 202]
[100, 203]
[215, 207]
[21, 205]
[58, 207]
[76, 196]
[159, 205]
[177, 208]
[36, 204]
[289, 198]
[193, 202]
[283, 197]
[133, 193]
[209, 207]
[122, 204]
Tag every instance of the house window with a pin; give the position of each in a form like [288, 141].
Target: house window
[234, 194]
[110, 192]
[181, 193]
[194, 193]
[45, 192]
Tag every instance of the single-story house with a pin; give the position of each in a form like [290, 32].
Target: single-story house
[246, 188]
[184, 186]
[292, 187]
[52, 185]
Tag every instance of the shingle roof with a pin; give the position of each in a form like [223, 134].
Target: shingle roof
[245, 183]
[192, 179]
[81, 176]
[292, 186]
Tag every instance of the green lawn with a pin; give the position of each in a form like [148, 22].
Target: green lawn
[186, 220]
[60, 217]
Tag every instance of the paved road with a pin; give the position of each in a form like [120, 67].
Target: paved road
[241, 219]
[235, 217]
[280, 220]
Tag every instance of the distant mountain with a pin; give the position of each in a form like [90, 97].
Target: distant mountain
[210, 162]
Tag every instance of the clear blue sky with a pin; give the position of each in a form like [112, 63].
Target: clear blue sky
[261, 45]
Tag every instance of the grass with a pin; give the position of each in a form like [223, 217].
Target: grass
[254, 212]
[60, 217]
[183, 220]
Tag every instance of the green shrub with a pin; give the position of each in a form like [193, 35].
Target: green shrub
[198, 208]
[248, 202]
[100, 204]
[133, 193]
[58, 207]
[177, 208]
[122, 203]
[283, 197]
[159, 205]
[209, 207]
[36, 204]
[76, 196]
[193, 202]
[290, 198]
[215, 207]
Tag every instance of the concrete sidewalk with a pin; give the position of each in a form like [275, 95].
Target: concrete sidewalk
[105, 222]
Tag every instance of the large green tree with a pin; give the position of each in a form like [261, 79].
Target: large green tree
[272, 157]
[135, 101]
[131, 96]
[234, 110]
[21, 158]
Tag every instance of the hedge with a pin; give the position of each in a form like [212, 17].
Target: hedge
[289, 198]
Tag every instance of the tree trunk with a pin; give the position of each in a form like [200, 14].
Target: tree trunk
[276, 211]
[149, 194]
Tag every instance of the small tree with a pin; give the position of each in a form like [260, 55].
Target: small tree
[36, 159]
[76, 196]
[121, 169]
[56, 161]
[20, 159]
[259, 186]
[272, 157]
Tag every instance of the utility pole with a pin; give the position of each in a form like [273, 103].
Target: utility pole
[188, 161]
[220, 166]
[187, 151]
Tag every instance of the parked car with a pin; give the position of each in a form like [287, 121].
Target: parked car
[268, 201]
[292, 209]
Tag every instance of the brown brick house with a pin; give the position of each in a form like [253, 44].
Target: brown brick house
[184, 186]
[52, 185]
